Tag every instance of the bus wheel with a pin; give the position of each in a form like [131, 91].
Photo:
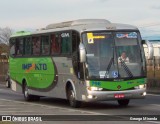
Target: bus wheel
[71, 97]
[27, 97]
[8, 84]
[123, 102]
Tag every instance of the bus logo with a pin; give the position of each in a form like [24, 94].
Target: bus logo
[30, 67]
[65, 35]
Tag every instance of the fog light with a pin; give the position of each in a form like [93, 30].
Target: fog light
[144, 94]
[90, 97]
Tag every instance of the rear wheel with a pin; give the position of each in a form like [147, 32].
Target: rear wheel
[8, 84]
[72, 99]
[123, 102]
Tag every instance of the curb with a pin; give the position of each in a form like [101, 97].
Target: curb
[154, 91]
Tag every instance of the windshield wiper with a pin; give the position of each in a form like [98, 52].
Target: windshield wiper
[108, 67]
[126, 68]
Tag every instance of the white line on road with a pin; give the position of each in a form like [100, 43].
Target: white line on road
[155, 122]
[17, 111]
[155, 105]
[67, 109]
[49, 106]
[153, 95]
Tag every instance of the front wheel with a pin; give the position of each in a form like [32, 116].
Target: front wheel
[27, 96]
[72, 99]
[123, 102]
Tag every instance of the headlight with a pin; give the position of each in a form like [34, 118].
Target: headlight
[88, 83]
[94, 88]
[140, 86]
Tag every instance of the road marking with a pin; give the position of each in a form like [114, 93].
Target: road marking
[56, 107]
[8, 105]
[153, 94]
[155, 122]
[155, 105]
[49, 106]
[16, 111]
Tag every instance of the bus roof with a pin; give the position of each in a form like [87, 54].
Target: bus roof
[87, 25]
[79, 22]
[21, 33]
[80, 26]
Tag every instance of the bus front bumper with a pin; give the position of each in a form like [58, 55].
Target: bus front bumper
[114, 95]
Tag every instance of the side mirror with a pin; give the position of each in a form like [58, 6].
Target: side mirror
[82, 52]
[150, 48]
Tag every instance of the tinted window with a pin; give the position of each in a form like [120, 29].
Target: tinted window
[36, 45]
[61, 43]
[19, 46]
[55, 44]
[12, 47]
[28, 46]
[66, 43]
[45, 45]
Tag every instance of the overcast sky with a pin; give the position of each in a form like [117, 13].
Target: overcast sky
[33, 14]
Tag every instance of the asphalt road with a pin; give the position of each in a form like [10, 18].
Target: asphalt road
[12, 103]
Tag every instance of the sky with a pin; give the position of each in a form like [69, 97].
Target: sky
[35, 14]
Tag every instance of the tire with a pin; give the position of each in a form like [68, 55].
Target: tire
[27, 97]
[72, 99]
[8, 84]
[123, 102]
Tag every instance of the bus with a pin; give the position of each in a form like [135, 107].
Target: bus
[79, 61]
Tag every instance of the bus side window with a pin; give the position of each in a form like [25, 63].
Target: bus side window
[45, 45]
[19, 47]
[28, 46]
[66, 43]
[36, 45]
[55, 44]
[12, 47]
[78, 67]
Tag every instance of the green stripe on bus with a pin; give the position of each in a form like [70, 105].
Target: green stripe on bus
[118, 85]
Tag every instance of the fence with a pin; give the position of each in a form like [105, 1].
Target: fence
[153, 72]
[3, 69]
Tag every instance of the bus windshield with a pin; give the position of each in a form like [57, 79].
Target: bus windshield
[113, 55]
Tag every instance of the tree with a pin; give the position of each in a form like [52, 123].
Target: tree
[5, 34]
[4, 48]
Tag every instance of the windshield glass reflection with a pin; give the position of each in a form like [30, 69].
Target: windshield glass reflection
[113, 55]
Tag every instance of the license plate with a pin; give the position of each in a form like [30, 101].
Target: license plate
[118, 96]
